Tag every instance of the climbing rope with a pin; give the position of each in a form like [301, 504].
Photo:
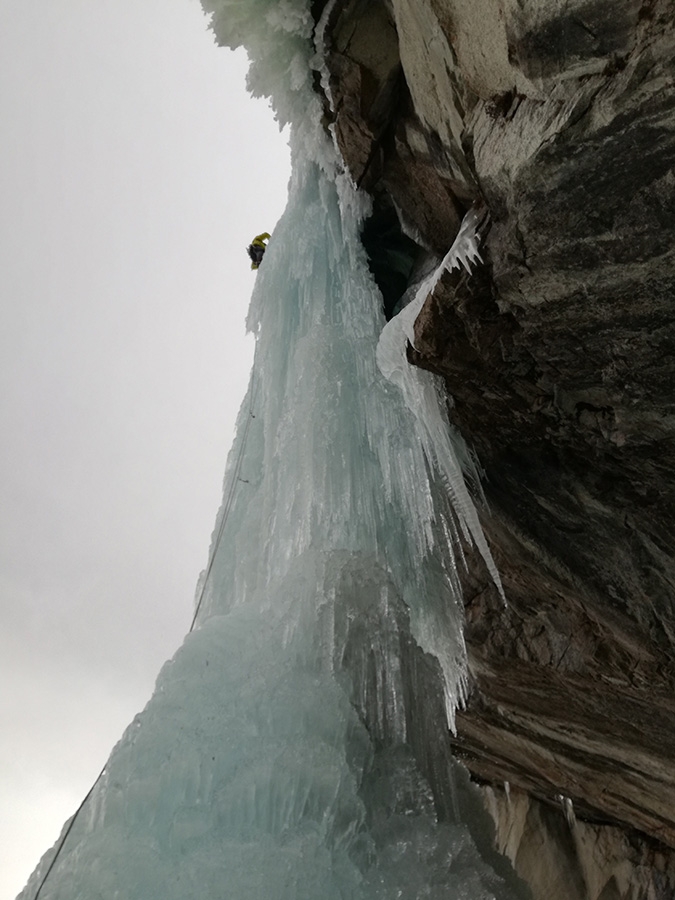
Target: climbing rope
[66, 833]
[221, 529]
[228, 503]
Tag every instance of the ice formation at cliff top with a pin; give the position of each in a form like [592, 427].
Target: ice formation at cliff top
[278, 758]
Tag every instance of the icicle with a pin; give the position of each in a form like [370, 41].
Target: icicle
[319, 61]
[443, 447]
[464, 252]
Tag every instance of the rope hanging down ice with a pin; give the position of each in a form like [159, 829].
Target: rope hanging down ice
[234, 481]
[226, 510]
[423, 391]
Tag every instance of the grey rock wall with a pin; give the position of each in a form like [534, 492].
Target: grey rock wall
[559, 358]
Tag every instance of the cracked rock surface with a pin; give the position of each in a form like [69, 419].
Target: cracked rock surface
[559, 359]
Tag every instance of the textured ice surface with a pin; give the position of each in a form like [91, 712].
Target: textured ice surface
[273, 761]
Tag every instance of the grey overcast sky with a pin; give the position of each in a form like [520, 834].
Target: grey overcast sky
[134, 170]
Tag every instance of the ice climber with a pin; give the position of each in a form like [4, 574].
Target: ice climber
[256, 249]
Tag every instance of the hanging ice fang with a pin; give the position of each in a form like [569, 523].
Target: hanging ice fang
[422, 390]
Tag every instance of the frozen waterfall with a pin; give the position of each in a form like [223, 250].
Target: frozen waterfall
[285, 752]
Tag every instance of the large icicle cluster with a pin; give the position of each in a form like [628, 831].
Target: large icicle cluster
[278, 758]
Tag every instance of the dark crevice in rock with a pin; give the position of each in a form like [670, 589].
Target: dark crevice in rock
[391, 255]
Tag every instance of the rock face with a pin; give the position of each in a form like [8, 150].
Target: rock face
[559, 358]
